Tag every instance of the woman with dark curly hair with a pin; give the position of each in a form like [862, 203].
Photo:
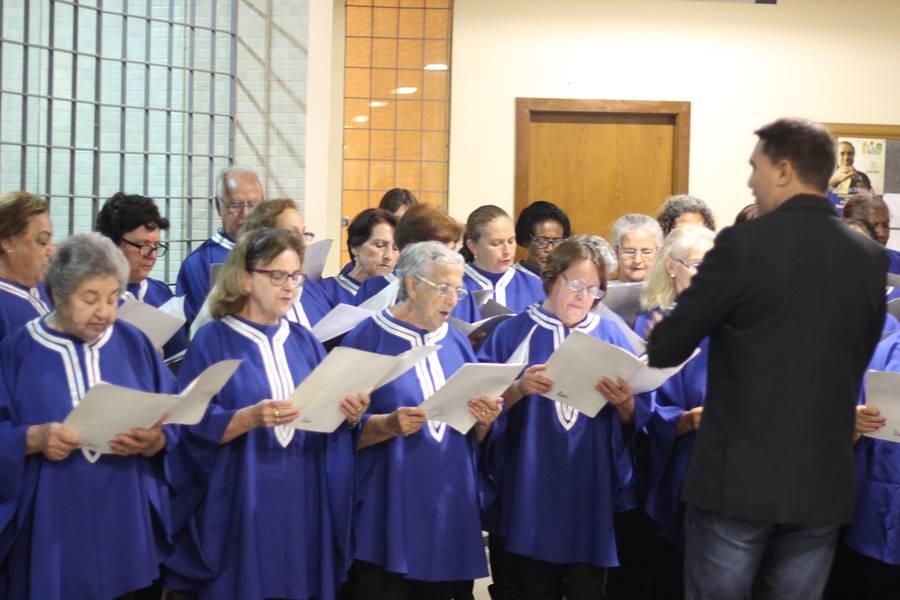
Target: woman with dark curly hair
[681, 209]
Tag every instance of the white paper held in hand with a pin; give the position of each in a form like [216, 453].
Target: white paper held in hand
[582, 360]
[450, 404]
[339, 320]
[883, 393]
[314, 258]
[346, 371]
[108, 410]
[157, 325]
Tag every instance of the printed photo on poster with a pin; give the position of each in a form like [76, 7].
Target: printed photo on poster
[860, 166]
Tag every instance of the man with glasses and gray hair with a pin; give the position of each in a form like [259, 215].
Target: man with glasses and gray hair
[238, 191]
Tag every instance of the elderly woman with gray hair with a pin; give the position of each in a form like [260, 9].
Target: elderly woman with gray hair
[417, 525]
[635, 240]
[78, 524]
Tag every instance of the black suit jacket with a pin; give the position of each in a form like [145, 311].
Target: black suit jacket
[794, 304]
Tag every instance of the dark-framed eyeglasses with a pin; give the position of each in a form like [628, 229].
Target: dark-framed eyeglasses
[692, 267]
[544, 242]
[445, 289]
[236, 208]
[279, 277]
[147, 250]
[578, 286]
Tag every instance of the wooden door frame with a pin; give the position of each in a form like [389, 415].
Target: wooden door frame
[527, 107]
[863, 130]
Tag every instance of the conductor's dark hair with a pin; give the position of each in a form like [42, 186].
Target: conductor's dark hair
[538, 212]
[806, 145]
[122, 213]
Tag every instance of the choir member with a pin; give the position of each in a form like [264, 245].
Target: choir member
[26, 245]
[561, 475]
[636, 239]
[490, 247]
[417, 526]
[238, 191]
[397, 201]
[540, 228]
[77, 524]
[370, 242]
[263, 510]
[134, 224]
[683, 209]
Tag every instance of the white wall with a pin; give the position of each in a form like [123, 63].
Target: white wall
[739, 66]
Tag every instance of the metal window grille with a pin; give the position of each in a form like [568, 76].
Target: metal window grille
[98, 96]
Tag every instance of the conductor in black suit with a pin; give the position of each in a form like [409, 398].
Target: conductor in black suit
[793, 304]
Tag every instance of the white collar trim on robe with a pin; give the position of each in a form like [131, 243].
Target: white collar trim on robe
[498, 292]
[219, 238]
[566, 414]
[429, 371]
[275, 365]
[142, 292]
[348, 284]
[31, 295]
[65, 348]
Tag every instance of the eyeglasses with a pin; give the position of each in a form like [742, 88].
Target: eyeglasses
[578, 286]
[279, 277]
[236, 208]
[689, 266]
[542, 242]
[308, 236]
[444, 289]
[633, 252]
[147, 250]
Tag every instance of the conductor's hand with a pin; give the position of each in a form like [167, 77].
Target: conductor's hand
[407, 420]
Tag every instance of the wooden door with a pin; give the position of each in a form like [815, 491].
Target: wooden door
[600, 159]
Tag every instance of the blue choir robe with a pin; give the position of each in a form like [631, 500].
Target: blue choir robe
[341, 289]
[642, 323]
[345, 270]
[69, 528]
[669, 454]
[311, 305]
[19, 304]
[193, 276]
[892, 293]
[516, 289]
[893, 262]
[372, 286]
[874, 531]
[561, 475]
[418, 510]
[156, 293]
[255, 518]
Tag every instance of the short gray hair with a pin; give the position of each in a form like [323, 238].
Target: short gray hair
[227, 173]
[675, 206]
[609, 255]
[80, 257]
[419, 259]
[635, 222]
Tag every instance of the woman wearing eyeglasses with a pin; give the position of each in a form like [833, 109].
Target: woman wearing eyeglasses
[679, 407]
[26, 246]
[541, 226]
[417, 530]
[263, 509]
[134, 224]
[490, 248]
[561, 475]
[636, 238]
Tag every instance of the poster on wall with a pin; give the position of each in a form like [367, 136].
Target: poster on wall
[860, 166]
[743, 1]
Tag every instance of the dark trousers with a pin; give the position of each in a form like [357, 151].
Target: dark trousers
[636, 541]
[505, 578]
[367, 581]
[861, 577]
[540, 580]
[736, 559]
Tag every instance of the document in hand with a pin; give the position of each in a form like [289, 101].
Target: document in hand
[108, 410]
[385, 298]
[481, 296]
[893, 307]
[883, 393]
[450, 404]
[636, 341]
[339, 320]
[314, 258]
[157, 325]
[347, 371]
[583, 360]
[483, 326]
[492, 308]
[174, 307]
[624, 299]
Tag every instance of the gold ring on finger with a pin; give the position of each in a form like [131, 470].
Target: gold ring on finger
[277, 413]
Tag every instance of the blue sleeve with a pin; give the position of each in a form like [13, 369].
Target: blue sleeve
[893, 262]
[12, 449]
[193, 284]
